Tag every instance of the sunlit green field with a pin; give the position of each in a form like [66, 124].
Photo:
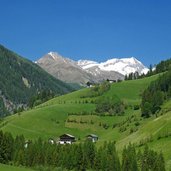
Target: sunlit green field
[51, 119]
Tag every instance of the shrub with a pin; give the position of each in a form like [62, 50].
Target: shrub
[137, 123]
[136, 107]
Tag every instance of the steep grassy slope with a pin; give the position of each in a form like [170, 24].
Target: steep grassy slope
[44, 122]
[20, 79]
[51, 120]
[156, 131]
[129, 91]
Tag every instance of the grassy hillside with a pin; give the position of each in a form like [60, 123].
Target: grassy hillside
[51, 119]
[156, 131]
[129, 91]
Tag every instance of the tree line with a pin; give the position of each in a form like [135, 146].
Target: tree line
[156, 93]
[163, 66]
[82, 156]
[41, 97]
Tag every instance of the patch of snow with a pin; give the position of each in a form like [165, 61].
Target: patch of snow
[85, 64]
[52, 54]
[55, 55]
[145, 71]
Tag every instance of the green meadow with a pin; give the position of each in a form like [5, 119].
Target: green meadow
[53, 118]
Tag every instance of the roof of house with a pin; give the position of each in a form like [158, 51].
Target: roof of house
[111, 80]
[27, 141]
[69, 135]
[92, 135]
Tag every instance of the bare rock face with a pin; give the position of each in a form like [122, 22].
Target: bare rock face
[64, 68]
[83, 71]
[101, 75]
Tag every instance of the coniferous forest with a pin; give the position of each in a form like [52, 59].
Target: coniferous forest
[158, 91]
[154, 96]
[83, 156]
[21, 80]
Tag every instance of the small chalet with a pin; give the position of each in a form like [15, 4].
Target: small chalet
[111, 81]
[92, 137]
[90, 84]
[66, 139]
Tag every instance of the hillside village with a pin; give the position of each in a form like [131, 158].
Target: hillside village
[70, 139]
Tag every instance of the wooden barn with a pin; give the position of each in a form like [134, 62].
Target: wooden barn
[111, 81]
[66, 139]
[92, 137]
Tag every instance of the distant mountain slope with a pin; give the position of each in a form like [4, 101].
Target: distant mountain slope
[75, 72]
[64, 68]
[20, 79]
[100, 75]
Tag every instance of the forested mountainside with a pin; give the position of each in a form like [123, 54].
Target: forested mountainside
[20, 79]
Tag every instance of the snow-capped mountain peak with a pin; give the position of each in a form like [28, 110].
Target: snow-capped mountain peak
[55, 55]
[122, 65]
[59, 58]
[83, 71]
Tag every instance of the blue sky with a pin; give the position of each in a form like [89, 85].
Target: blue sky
[88, 29]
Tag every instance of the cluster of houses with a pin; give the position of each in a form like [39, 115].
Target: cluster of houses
[66, 139]
[69, 139]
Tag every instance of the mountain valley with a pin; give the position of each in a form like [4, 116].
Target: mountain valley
[112, 111]
[75, 114]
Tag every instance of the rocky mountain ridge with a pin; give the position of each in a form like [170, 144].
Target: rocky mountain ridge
[83, 71]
